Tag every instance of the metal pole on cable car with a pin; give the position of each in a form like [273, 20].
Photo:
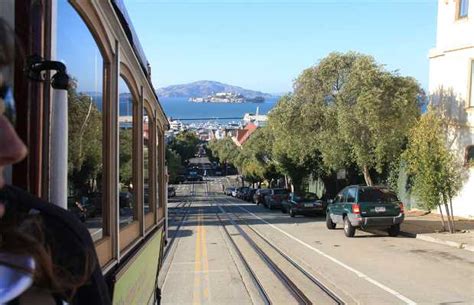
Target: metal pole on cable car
[59, 124]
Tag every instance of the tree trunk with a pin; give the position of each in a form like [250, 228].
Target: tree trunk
[450, 227]
[442, 217]
[368, 179]
[452, 212]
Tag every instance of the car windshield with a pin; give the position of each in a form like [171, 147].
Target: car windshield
[376, 195]
[306, 197]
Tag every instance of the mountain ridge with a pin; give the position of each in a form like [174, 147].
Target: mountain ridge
[205, 88]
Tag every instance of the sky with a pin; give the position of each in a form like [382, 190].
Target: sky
[264, 45]
[261, 44]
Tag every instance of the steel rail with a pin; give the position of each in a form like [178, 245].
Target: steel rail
[263, 294]
[330, 293]
[287, 282]
[170, 244]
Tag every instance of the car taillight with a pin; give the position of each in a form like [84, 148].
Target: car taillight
[356, 208]
[402, 209]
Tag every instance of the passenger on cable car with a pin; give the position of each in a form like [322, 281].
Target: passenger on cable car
[46, 255]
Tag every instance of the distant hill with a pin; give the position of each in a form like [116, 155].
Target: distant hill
[204, 88]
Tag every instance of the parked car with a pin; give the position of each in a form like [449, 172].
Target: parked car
[241, 192]
[228, 191]
[259, 195]
[234, 192]
[248, 196]
[171, 192]
[362, 207]
[274, 198]
[303, 204]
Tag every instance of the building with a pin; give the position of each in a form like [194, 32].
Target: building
[243, 135]
[451, 80]
[258, 119]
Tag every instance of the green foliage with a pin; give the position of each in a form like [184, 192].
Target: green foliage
[437, 176]
[345, 110]
[185, 144]
[84, 143]
[225, 149]
[173, 160]
[126, 156]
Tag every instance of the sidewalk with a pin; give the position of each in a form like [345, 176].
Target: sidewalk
[428, 227]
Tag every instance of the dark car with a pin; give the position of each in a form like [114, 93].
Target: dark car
[248, 196]
[194, 176]
[240, 192]
[365, 207]
[275, 197]
[259, 195]
[303, 204]
[171, 192]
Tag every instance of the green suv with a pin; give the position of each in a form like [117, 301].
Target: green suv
[365, 207]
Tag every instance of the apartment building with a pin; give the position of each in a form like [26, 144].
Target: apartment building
[451, 84]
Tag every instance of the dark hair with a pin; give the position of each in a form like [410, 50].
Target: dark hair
[24, 234]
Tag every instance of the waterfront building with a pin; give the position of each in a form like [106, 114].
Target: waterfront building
[451, 83]
[258, 119]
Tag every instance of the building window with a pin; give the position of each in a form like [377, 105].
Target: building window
[462, 9]
[470, 155]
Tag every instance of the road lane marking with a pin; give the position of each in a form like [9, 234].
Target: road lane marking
[358, 273]
[205, 261]
[197, 263]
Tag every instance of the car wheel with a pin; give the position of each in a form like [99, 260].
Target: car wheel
[292, 212]
[394, 230]
[283, 210]
[349, 230]
[329, 224]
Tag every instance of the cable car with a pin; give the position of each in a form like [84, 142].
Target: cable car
[96, 141]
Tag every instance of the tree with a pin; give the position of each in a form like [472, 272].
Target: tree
[173, 161]
[437, 176]
[226, 150]
[185, 144]
[84, 143]
[293, 152]
[354, 111]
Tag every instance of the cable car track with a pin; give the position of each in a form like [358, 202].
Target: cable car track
[296, 292]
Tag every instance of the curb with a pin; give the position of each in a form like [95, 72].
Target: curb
[427, 238]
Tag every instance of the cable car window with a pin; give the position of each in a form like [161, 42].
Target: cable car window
[78, 50]
[146, 162]
[127, 196]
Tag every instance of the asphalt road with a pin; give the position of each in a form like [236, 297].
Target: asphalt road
[203, 266]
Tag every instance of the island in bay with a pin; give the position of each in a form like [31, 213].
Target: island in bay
[213, 92]
[227, 97]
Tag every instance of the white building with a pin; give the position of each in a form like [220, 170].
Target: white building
[452, 74]
[258, 119]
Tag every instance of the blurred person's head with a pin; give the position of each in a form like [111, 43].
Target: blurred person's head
[12, 149]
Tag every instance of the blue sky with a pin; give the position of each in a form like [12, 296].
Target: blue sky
[264, 45]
